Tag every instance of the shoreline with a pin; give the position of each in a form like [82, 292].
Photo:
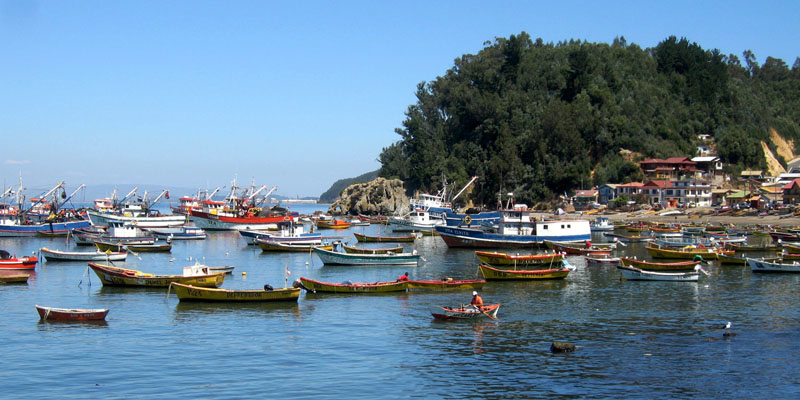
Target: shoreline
[700, 215]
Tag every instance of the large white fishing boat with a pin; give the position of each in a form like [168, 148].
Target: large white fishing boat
[516, 229]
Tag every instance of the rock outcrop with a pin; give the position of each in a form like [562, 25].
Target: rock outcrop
[379, 196]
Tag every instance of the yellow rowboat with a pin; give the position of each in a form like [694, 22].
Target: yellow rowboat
[15, 278]
[685, 253]
[195, 293]
[491, 274]
[114, 276]
[377, 287]
[361, 250]
[446, 284]
[509, 260]
[661, 267]
[268, 245]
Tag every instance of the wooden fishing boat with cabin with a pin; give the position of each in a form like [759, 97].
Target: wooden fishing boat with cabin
[359, 288]
[465, 312]
[196, 293]
[493, 274]
[115, 276]
[446, 284]
[384, 239]
[362, 250]
[71, 314]
[656, 266]
[510, 260]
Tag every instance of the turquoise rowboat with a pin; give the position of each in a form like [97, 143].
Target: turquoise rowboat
[329, 257]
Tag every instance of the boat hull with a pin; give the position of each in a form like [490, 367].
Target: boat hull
[764, 266]
[66, 314]
[508, 260]
[57, 255]
[334, 258]
[113, 276]
[360, 250]
[221, 223]
[635, 274]
[384, 239]
[267, 245]
[14, 278]
[494, 274]
[22, 264]
[465, 312]
[11, 230]
[165, 221]
[446, 285]
[195, 293]
[476, 238]
[707, 254]
[661, 267]
[356, 288]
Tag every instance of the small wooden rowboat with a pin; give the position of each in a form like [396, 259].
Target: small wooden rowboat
[661, 267]
[446, 284]
[114, 276]
[361, 250]
[195, 293]
[138, 248]
[776, 266]
[332, 224]
[376, 239]
[465, 312]
[377, 287]
[572, 248]
[58, 255]
[636, 274]
[687, 252]
[69, 314]
[510, 260]
[602, 260]
[7, 262]
[491, 274]
[629, 239]
[329, 257]
[14, 278]
[269, 245]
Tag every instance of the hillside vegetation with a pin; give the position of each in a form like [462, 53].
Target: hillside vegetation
[539, 119]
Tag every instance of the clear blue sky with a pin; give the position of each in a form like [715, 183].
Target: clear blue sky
[293, 94]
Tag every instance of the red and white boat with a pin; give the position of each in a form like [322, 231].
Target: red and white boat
[465, 312]
[70, 314]
[23, 263]
[216, 215]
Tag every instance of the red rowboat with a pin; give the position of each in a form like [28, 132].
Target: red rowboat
[68, 314]
[465, 312]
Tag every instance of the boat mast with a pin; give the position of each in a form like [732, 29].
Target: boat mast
[44, 196]
[70, 196]
[474, 178]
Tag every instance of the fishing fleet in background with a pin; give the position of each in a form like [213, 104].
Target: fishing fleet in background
[116, 227]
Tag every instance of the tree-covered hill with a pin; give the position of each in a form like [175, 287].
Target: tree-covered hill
[333, 192]
[538, 119]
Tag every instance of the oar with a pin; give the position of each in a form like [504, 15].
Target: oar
[487, 313]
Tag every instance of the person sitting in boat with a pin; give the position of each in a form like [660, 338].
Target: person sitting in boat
[402, 278]
[476, 301]
[588, 244]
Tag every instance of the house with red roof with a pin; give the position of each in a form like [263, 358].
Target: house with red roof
[791, 192]
[671, 168]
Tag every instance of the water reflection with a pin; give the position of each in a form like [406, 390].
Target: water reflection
[46, 325]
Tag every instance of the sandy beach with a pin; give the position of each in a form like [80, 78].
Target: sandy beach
[695, 215]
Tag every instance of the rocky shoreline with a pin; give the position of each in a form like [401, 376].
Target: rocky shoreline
[695, 216]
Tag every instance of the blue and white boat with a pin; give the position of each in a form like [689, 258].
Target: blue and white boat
[289, 234]
[516, 229]
[182, 233]
[601, 224]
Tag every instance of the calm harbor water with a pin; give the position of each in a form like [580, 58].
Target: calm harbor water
[635, 339]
